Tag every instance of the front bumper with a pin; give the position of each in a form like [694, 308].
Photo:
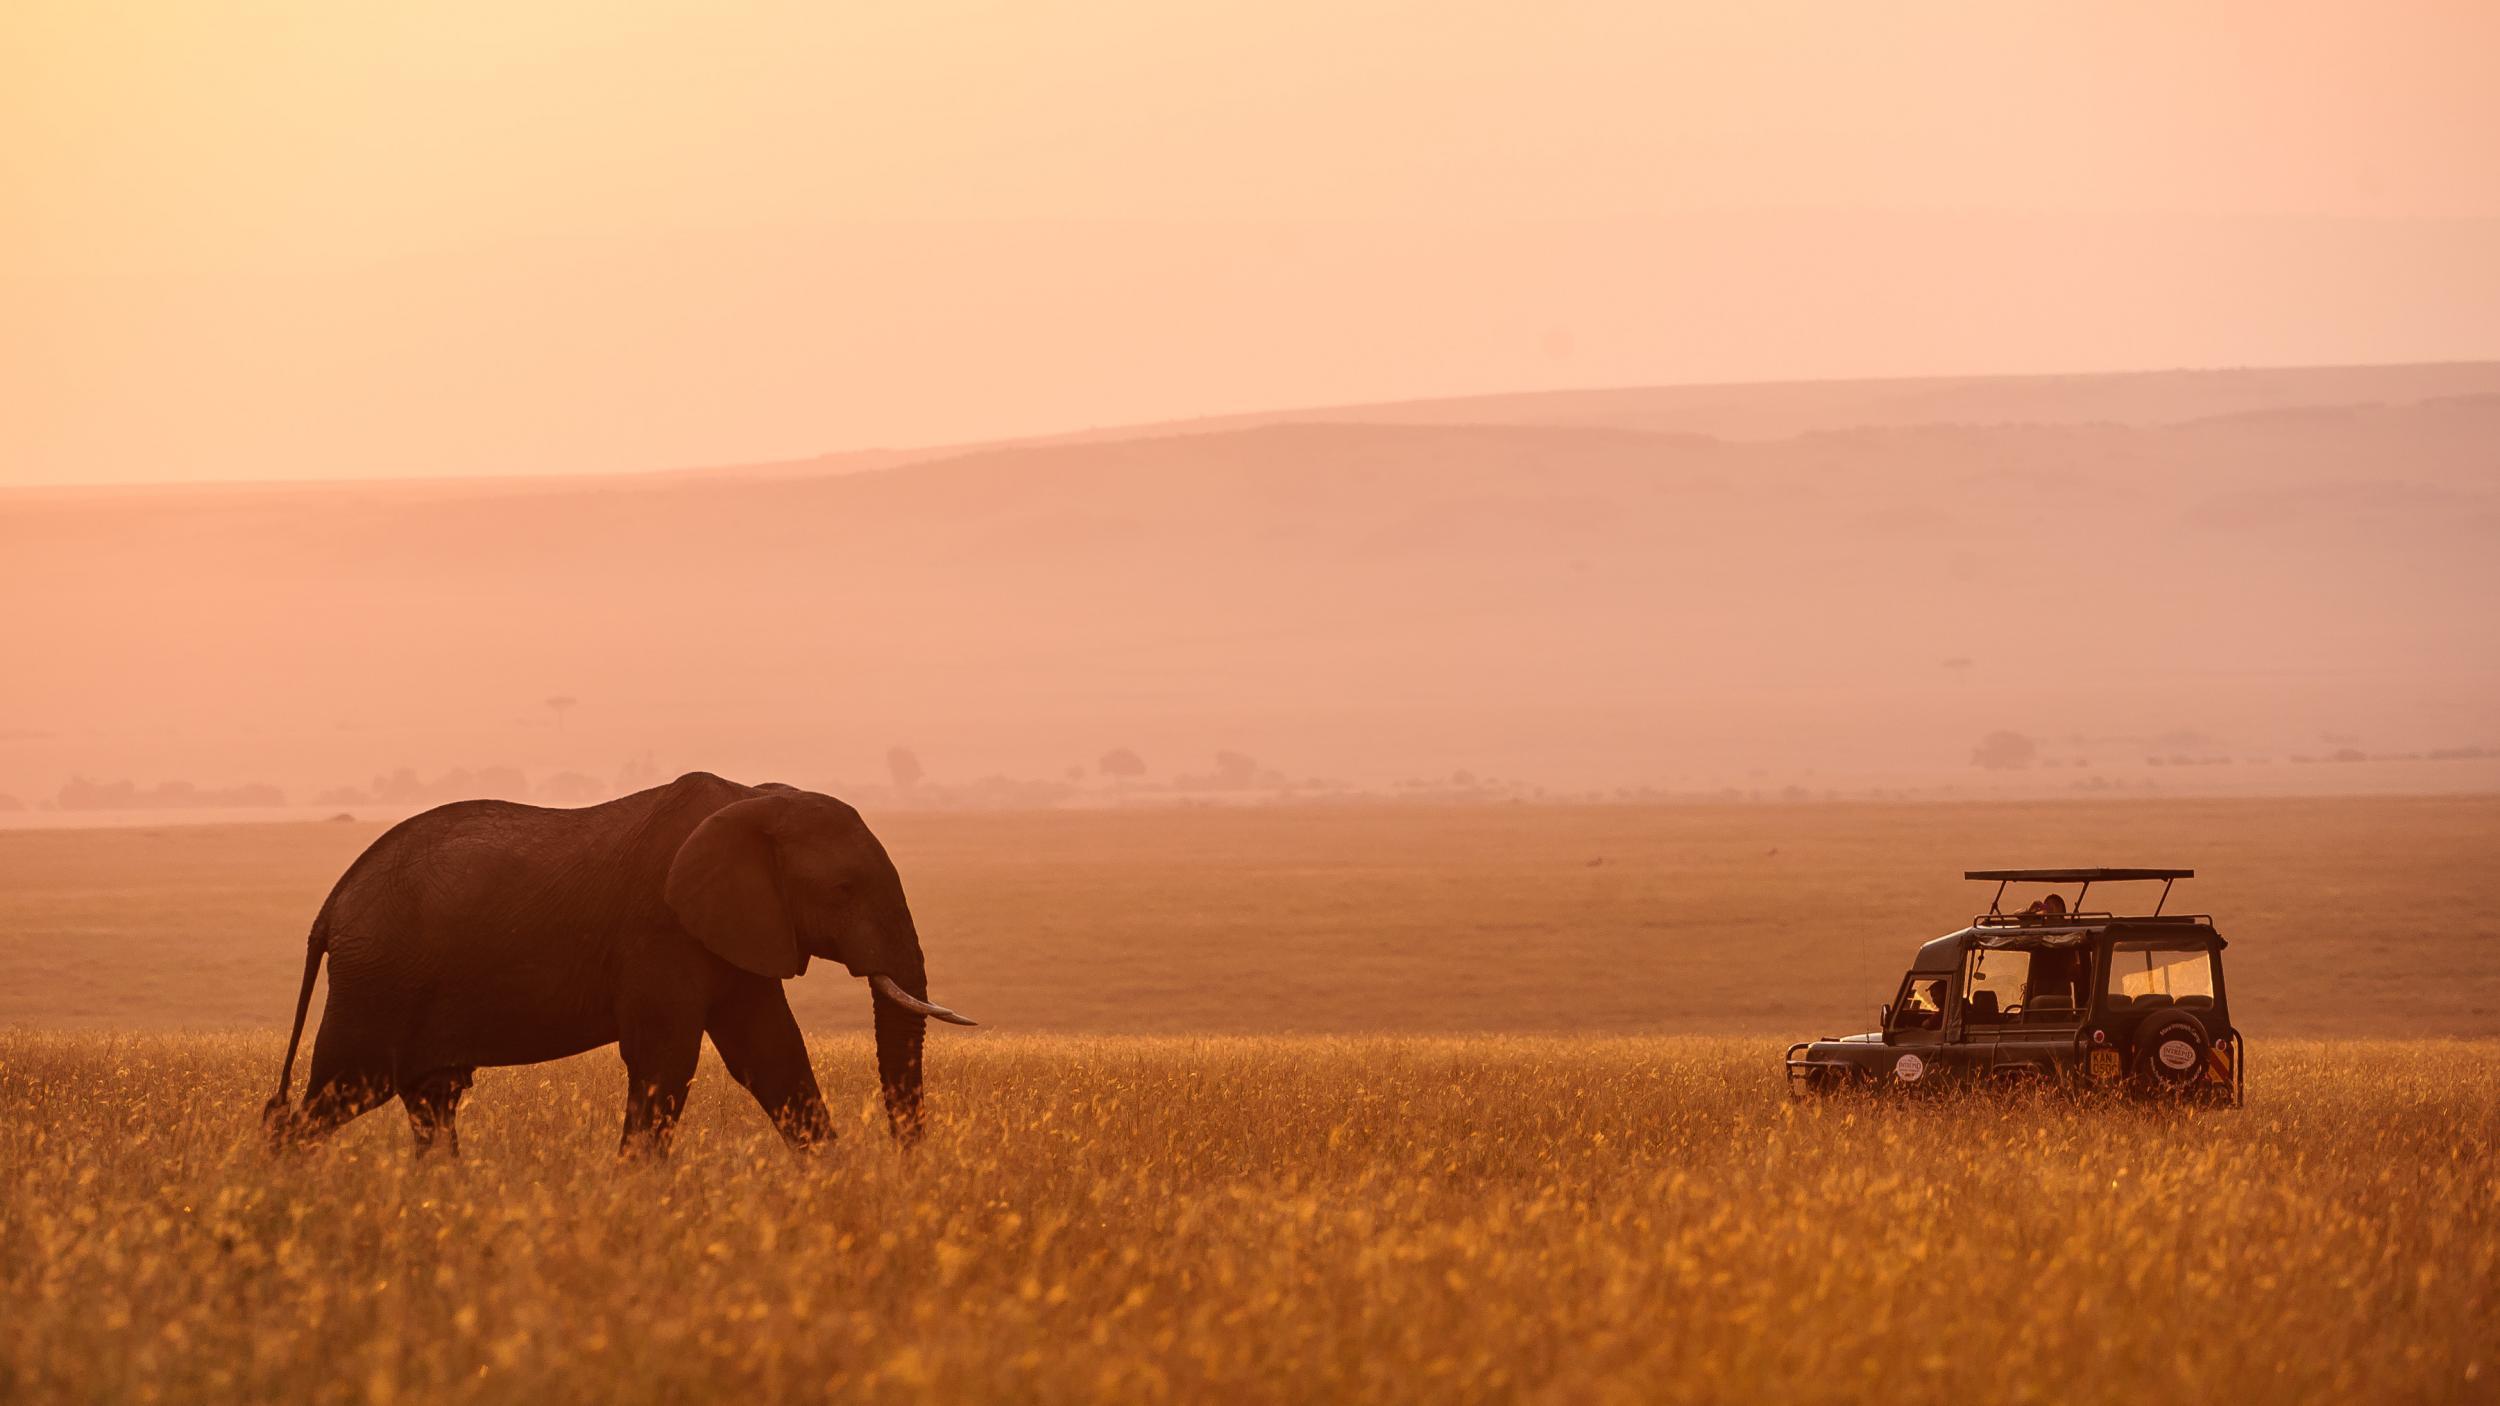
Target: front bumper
[1810, 1073]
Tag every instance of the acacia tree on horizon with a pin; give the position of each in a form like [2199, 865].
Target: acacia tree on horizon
[904, 766]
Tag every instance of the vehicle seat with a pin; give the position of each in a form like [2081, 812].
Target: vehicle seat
[2150, 999]
[2196, 1003]
[1983, 1009]
[2050, 1005]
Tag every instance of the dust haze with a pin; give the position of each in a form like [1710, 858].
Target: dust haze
[2177, 582]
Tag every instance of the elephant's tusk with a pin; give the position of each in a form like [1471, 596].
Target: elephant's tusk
[885, 987]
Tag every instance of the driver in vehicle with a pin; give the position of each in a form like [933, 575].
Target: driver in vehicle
[1923, 1009]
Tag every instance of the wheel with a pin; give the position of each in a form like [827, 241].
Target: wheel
[2171, 1050]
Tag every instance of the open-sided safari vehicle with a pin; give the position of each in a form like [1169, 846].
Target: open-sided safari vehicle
[2086, 999]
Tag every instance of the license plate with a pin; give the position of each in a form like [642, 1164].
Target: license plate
[2104, 1064]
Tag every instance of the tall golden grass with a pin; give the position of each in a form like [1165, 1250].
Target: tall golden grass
[1259, 1219]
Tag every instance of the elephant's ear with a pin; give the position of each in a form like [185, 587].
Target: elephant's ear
[724, 888]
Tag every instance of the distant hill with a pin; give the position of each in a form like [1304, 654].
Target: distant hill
[1782, 409]
[1564, 600]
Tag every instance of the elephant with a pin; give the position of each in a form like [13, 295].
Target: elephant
[487, 933]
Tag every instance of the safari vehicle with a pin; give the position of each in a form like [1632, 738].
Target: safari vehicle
[2052, 993]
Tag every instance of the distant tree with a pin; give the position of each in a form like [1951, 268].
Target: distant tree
[400, 787]
[903, 767]
[501, 783]
[9, 802]
[81, 794]
[78, 793]
[1236, 771]
[1122, 764]
[637, 773]
[2004, 751]
[559, 705]
[571, 788]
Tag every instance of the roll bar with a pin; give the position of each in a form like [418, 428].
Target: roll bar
[2086, 877]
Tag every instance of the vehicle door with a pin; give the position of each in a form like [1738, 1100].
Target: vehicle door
[1915, 1028]
[1967, 1048]
[2025, 1006]
[1992, 1002]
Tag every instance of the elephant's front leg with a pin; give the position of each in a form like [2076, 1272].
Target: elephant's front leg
[751, 1026]
[660, 1033]
[657, 1074]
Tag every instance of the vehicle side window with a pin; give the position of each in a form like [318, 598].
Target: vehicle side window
[1992, 989]
[1922, 1004]
[2147, 974]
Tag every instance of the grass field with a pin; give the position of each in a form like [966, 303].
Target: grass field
[2347, 917]
[1286, 1105]
[1417, 1219]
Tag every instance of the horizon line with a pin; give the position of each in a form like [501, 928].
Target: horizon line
[1166, 425]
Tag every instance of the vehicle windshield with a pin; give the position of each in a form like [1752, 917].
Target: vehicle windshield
[2146, 974]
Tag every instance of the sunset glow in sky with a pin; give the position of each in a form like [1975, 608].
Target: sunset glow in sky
[257, 240]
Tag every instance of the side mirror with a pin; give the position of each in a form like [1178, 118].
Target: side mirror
[1883, 1016]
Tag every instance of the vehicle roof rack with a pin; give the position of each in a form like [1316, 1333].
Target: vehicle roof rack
[2085, 877]
[2075, 876]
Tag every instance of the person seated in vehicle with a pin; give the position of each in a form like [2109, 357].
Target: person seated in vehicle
[2048, 909]
[2058, 980]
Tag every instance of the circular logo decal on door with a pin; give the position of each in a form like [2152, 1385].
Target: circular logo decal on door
[1908, 1068]
[2177, 1054]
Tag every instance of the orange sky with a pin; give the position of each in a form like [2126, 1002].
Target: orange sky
[252, 240]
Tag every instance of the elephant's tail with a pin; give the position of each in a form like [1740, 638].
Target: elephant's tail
[273, 1114]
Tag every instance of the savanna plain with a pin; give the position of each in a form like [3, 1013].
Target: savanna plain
[1375, 1101]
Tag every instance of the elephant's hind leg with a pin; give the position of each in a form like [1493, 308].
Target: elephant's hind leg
[337, 1095]
[433, 1104]
[751, 1026]
[351, 1068]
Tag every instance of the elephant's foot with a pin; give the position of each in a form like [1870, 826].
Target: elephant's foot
[650, 1125]
[433, 1104]
[806, 1134]
[333, 1101]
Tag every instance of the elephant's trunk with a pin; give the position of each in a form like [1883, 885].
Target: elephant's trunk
[900, 1029]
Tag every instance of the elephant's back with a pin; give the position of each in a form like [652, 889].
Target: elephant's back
[463, 882]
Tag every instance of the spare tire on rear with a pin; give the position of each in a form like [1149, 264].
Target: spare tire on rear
[2171, 1050]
